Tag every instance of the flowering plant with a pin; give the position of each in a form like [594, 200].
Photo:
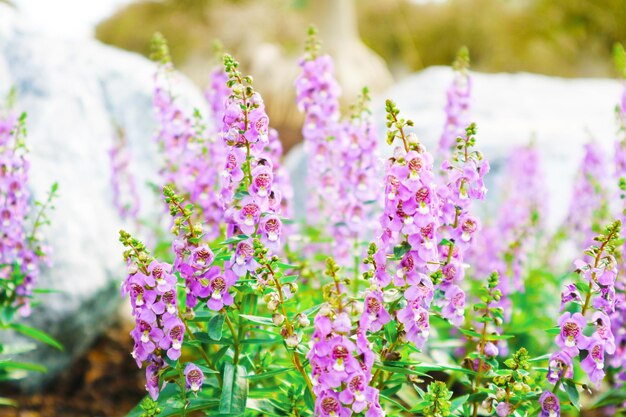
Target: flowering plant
[23, 252]
[351, 313]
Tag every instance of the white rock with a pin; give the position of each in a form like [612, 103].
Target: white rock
[72, 92]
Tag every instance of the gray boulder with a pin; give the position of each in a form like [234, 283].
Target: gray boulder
[73, 91]
[509, 109]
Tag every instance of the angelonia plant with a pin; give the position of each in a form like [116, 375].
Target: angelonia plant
[23, 250]
[343, 169]
[458, 103]
[395, 296]
[123, 183]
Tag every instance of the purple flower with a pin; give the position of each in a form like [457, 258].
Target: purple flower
[571, 337]
[174, 330]
[570, 293]
[193, 377]
[243, 258]
[550, 406]
[249, 215]
[329, 405]
[560, 366]
[593, 364]
[270, 230]
[262, 179]
[416, 323]
[218, 286]
[504, 409]
[201, 257]
[454, 309]
[603, 331]
[152, 379]
[374, 315]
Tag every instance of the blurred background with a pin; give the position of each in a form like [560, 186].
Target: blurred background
[374, 42]
[379, 43]
[569, 38]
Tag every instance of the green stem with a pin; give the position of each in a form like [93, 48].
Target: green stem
[230, 325]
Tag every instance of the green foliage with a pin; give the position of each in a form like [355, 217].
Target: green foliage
[437, 400]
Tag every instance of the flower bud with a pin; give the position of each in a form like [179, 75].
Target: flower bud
[302, 320]
[132, 268]
[500, 394]
[278, 319]
[292, 341]
[325, 309]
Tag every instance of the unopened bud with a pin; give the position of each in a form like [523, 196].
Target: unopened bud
[278, 319]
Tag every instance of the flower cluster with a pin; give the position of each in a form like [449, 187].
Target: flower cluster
[342, 163]
[253, 203]
[194, 259]
[589, 199]
[317, 96]
[192, 153]
[125, 194]
[341, 368]
[21, 251]
[457, 104]
[464, 183]
[357, 183]
[158, 330]
[409, 223]
[598, 280]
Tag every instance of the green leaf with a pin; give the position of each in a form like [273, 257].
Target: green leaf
[215, 327]
[394, 402]
[235, 239]
[470, 333]
[399, 370]
[37, 335]
[22, 366]
[308, 399]
[458, 402]
[262, 341]
[269, 374]
[401, 250]
[234, 390]
[427, 367]
[258, 319]
[281, 265]
[572, 393]
[553, 330]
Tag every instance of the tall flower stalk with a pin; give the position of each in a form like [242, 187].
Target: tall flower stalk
[588, 207]
[192, 153]
[458, 227]
[125, 193]
[22, 250]
[317, 97]
[588, 302]
[457, 105]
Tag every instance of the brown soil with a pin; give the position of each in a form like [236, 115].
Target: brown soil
[105, 382]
